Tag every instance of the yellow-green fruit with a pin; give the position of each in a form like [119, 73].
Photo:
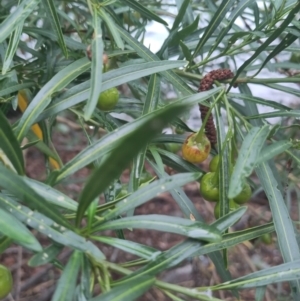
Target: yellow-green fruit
[214, 163]
[6, 282]
[244, 195]
[266, 238]
[131, 18]
[209, 187]
[232, 206]
[108, 99]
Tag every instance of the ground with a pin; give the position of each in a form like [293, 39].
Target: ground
[39, 283]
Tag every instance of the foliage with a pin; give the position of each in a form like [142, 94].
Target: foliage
[52, 55]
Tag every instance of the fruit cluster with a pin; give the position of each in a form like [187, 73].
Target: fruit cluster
[209, 188]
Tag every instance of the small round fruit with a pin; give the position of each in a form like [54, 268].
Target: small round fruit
[266, 238]
[214, 163]
[6, 282]
[209, 187]
[196, 152]
[131, 18]
[172, 147]
[232, 206]
[108, 99]
[244, 195]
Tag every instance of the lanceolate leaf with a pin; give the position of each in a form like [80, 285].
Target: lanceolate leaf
[216, 20]
[12, 47]
[273, 150]
[51, 229]
[97, 66]
[51, 13]
[18, 187]
[129, 246]
[128, 291]
[18, 16]
[283, 224]
[15, 230]
[144, 11]
[149, 191]
[247, 158]
[280, 273]
[43, 98]
[165, 223]
[271, 38]
[65, 289]
[112, 28]
[10, 145]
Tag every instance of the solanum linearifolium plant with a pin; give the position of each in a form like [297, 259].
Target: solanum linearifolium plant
[87, 61]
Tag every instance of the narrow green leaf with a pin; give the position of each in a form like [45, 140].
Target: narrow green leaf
[39, 32]
[52, 195]
[144, 11]
[45, 256]
[164, 261]
[273, 150]
[149, 191]
[43, 98]
[216, 20]
[17, 17]
[241, 6]
[232, 239]
[129, 246]
[65, 289]
[51, 13]
[165, 223]
[18, 187]
[128, 291]
[270, 39]
[112, 28]
[283, 272]
[282, 221]
[181, 14]
[49, 228]
[180, 197]
[248, 156]
[16, 87]
[258, 100]
[12, 48]
[293, 113]
[153, 93]
[10, 146]
[97, 66]
[19, 233]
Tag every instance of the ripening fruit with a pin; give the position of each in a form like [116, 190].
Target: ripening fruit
[214, 163]
[131, 18]
[194, 151]
[209, 187]
[6, 282]
[244, 195]
[266, 238]
[108, 99]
